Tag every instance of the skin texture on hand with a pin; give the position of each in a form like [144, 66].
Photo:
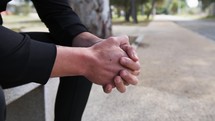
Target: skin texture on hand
[130, 63]
[105, 65]
[128, 75]
[98, 63]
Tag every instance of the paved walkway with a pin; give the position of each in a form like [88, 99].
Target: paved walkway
[203, 27]
[177, 82]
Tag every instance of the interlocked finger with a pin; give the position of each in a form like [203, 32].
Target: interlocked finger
[128, 77]
[119, 84]
[130, 64]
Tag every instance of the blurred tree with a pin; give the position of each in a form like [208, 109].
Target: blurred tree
[95, 14]
[167, 6]
[174, 6]
[206, 3]
[148, 7]
[133, 10]
[210, 5]
[130, 8]
[152, 9]
[127, 10]
[124, 5]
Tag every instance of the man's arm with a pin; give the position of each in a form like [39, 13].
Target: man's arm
[21, 61]
[62, 22]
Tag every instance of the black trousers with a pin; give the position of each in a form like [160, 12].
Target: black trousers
[72, 95]
[2, 105]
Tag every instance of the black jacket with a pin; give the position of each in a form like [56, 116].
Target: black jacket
[23, 59]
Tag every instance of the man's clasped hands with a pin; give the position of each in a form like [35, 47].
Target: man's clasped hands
[116, 64]
[111, 63]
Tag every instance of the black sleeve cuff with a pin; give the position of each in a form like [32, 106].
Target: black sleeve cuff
[28, 60]
[40, 62]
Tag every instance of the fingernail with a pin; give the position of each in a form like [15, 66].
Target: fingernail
[135, 55]
[117, 81]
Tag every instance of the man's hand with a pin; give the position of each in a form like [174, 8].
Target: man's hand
[128, 76]
[104, 64]
[131, 64]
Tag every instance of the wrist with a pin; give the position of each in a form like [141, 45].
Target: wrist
[85, 39]
[70, 62]
[89, 61]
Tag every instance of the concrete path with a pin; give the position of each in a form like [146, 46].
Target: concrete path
[177, 81]
[203, 27]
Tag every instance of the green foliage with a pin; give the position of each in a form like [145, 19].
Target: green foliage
[173, 8]
[160, 3]
[206, 3]
[161, 6]
[126, 3]
[144, 7]
[147, 7]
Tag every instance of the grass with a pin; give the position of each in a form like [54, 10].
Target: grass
[17, 18]
[18, 22]
[209, 18]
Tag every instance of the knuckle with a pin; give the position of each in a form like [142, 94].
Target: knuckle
[130, 48]
[124, 61]
[126, 38]
[125, 47]
[112, 39]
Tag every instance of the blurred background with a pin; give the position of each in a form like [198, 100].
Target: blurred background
[175, 43]
[99, 15]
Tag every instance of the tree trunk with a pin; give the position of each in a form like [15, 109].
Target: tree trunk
[95, 15]
[212, 9]
[134, 11]
[152, 10]
[127, 11]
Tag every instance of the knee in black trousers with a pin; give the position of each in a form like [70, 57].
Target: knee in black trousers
[73, 92]
[72, 96]
[2, 105]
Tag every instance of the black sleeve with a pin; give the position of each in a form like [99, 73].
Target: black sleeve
[62, 22]
[24, 60]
